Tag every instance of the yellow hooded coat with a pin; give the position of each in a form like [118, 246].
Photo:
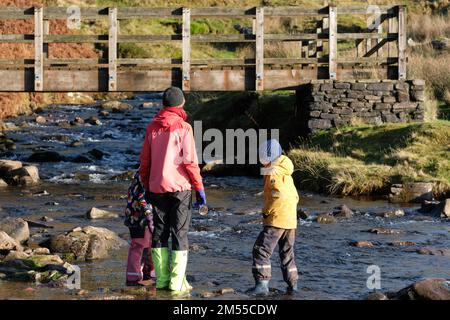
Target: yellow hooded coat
[280, 195]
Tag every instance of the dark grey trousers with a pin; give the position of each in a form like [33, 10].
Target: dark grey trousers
[263, 249]
[171, 217]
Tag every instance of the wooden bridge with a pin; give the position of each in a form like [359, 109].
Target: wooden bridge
[378, 52]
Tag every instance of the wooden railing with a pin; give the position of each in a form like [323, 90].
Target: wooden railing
[379, 53]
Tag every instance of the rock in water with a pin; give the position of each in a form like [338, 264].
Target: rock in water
[41, 120]
[362, 244]
[87, 243]
[377, 296]
[411, 192]
[427, 289]
[115, 106]
[3, 183]
[434, 251]
[303, 214]
[25, 176]
[442, 210]
[392, 214]
[343, 212]
[16, 228]
[6, 166]
[95, 213]
[7, 243]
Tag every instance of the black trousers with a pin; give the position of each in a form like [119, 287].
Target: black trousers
[171, 217]
[263, 249]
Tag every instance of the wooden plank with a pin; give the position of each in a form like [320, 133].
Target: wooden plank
[112, 50]
[223, 38]
[392, 29]
[46, 32]
[148, 38]
[38, 49]
[259, 49]
[332, 17]
[86, 13]
[402, 42]
[13, 62]
[17, 80]
[186, 53]
[149, 61]
[76, 62]
[323, 27]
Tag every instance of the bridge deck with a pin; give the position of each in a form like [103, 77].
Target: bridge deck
[379, 51]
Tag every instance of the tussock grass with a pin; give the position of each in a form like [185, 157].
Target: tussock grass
[366, 160]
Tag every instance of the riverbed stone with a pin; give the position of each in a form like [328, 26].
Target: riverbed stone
[411, 192]
[326, 218]
[45, 156]
[6, 166]
[16, 228]
[392, 214]
[25, 176]
[87, 243]
[343, 211]
[377, 296]
[3, 183]
[400, 243]
[385, 231]
[95, 213]
[362, 244]
[40, 120]
[427, 289]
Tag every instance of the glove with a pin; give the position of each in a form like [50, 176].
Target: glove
[201, 198]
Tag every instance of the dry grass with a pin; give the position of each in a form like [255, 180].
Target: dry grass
[427, 27]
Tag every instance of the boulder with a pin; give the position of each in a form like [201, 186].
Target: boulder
[95, 213]
[434, 251]
[16, 228]
[427, 289]
[343, 212]
[411, 192]
[45, 156]
[6, 166]
[25, 176]
[442, 210]
[3, 183]
[15, 255]
[377, 296]
[7, 243]
[326, 218]
[87, 243]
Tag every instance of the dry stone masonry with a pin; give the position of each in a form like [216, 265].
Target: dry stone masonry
[326, 103]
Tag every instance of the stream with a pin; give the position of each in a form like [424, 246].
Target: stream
[221, 242]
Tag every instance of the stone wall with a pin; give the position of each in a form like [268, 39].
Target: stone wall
[325, 104]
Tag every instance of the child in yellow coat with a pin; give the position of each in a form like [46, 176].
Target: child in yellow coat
[280, 219]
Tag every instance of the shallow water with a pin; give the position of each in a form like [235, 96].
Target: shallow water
[329, 268]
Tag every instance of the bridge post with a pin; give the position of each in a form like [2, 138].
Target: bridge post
[402, 42]
[186, 51]
[38, 49]
[259, 50]
[112, 49]
[332, 34]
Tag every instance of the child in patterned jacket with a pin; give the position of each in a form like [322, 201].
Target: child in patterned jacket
[138, 218]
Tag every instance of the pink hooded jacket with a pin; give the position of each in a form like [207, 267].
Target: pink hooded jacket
[169, 160]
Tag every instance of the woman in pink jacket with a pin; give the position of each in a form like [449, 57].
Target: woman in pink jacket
[169, 171]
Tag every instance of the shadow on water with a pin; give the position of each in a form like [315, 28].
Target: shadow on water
[221, 243]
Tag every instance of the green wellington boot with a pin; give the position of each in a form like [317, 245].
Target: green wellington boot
[161, 263]
[178, 282]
